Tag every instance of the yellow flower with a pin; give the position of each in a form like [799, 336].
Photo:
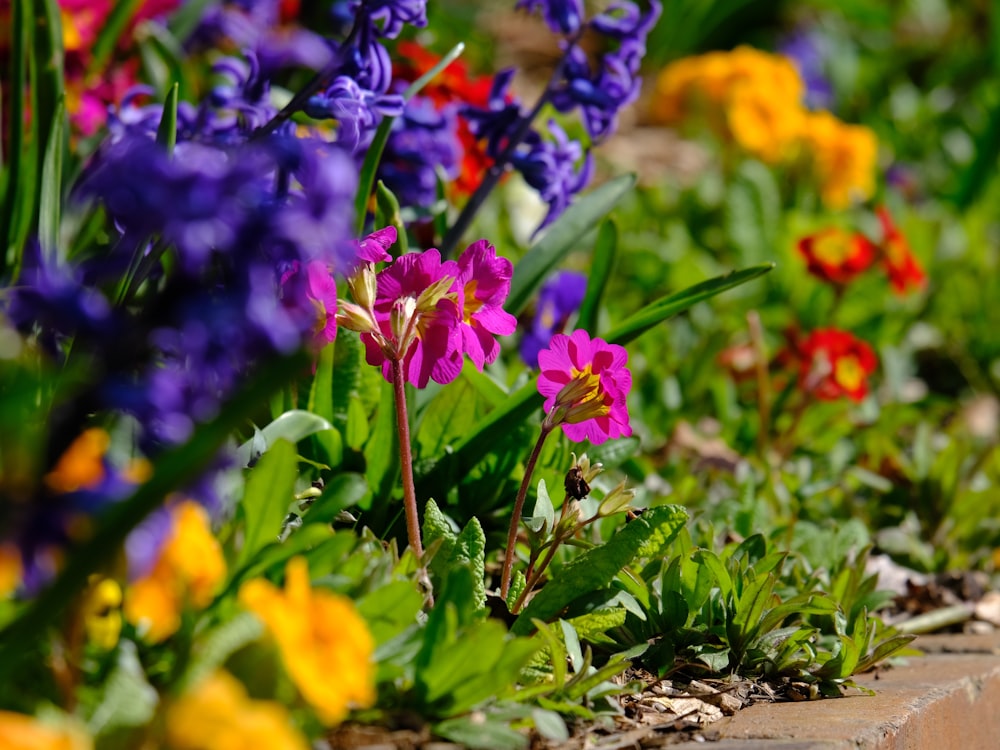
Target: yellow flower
[82, 465]
[218, 715]
[21, 732]
[189, 571]
[10, 569]
[101, 612]
[764, 125]
[843, 158]
[325, 645]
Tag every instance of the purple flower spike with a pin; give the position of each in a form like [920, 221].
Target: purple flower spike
[562, 16]
[484, 280]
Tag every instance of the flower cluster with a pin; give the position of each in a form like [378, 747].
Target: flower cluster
[837, 256]
[754, 100]
[426, 314]
[558, 167]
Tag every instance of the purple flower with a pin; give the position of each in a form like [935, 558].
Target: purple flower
[496, 122]
[562, 16]
[389, 16]
[557, 169]
[422, 141]
[560, 297]
[357, 111]
[375, 247]
[809, 51]
[312, 294]
[484, 282]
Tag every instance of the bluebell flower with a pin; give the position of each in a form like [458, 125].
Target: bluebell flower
[422, 140]
[808, 51]
[558, 169]
[562, 16]
[356, 110]
[558, 299]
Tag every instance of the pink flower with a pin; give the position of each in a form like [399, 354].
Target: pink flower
[312, 293]
[418, 317]
[484, 282]
[375, 247]
[585, 383]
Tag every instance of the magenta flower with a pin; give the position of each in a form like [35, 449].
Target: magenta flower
[418, 317]
[585, 383]
[312, 293]
[484, 282]
[375, 247]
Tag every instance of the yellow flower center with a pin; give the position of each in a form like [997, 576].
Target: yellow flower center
[848, 373]
[472, 304]
[581, 397]
[832, 248]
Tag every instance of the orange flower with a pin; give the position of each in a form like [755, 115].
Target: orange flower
[900, 263]
[834, 364]
[325, 644]
[188, 572]
[218, 715]
[835, 255]
[21, 732]
[843, 158]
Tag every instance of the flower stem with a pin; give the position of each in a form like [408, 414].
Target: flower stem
[515, 519]
[406, 461]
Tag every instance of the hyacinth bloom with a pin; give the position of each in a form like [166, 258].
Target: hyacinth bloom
[325, 645]
[22, 732]
[835, 364]
[559, 297]
[900, 263]
[189, 570]
[417, 316]
[484, 281]
[837, 256]
[561, 16]
[217, 713]
[585, 383]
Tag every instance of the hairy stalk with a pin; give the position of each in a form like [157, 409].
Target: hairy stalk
[495, 172]
[515, 518]
[406, 460]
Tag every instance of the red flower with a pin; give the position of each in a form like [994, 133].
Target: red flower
[900, 263]
[834, 363]
[452, 86]
[837, 256]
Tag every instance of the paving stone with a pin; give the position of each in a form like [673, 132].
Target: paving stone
[948, 699]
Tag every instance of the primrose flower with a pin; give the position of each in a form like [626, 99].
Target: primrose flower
[10, 569]
[835, 364]
[324, 643]
[585, 383]
[417, 316]
[101, 612]
[835, 255]
[188, 571]
[484, 280]
[217, 713]
[900, 263]
[312, 293]
[22, 732]
[843, 158]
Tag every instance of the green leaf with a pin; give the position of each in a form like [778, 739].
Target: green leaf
[753, 212]
[162, 57]
[269, 492]
[382, 448]
[50, 198]
[543, 515]
[437, 526]
[114, 24]
[472, 732]
[343, 491]
[166, 133]
[213, 649]
[387, 214]
[128, 699]
[591, 626]
[470, 549]
[292, 426]
[550, 725]
[561, 238]
[646, 536]
[676, 303]
[601, 269]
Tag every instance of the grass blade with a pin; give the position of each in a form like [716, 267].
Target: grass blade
[605, 252]
[50, 198]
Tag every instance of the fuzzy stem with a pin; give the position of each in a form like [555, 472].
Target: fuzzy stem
[529, 469]
[406, 461]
